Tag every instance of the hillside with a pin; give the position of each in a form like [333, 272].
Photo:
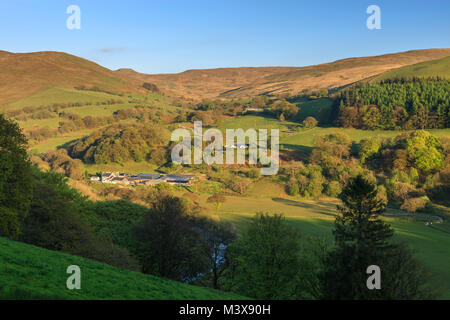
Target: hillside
[439, 67]
[29, 272]
[52, 77]
[244, 82]
[46, 74]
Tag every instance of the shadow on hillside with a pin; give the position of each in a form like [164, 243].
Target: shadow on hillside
[296, 147]
[317, 208]
[66, 145]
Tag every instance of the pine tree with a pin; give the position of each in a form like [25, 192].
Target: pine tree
[363, 239]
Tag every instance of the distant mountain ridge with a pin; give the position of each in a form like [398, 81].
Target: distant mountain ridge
[246, 81]
[24, 75]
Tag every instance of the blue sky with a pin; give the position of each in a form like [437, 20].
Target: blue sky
[165, 36]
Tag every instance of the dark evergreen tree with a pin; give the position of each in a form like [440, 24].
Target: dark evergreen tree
[426, 102]
[362, 239]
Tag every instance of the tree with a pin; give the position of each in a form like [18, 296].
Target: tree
[414, 204]
[396, 103]
[399, 116]
[264, 262]
[53, 222]
[314, 187]
[239, 185]
[60, 161]
[159, 156]
[323, 92]
[333, 189]
[310, 122]
[254, 173]
[371, 117]
[420, 119]
[218, 236]
[348, 117]
[429, 160]
[424, 150]
[56, 222]
[292, 187]
[334, 138]
[171, 245]
[217, 199]
[284, 110]
[363, 239]
[259, 102]
[368, 148]
[15, 178]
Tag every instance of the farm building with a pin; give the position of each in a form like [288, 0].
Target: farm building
[143, 179]
[178, 179]
[95, 179]
[120, 180]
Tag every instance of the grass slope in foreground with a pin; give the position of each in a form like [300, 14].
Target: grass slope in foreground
[29, 272]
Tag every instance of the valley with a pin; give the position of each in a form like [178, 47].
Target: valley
[83, 121]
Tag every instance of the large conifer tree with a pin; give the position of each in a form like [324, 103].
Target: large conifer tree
[363, 239]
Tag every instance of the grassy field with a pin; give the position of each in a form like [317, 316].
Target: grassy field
[306, 138]
[156, 101]
[51, 123]
[315, 218]
[294, 137]
[320, 109]
[431, 244]
[60, 95]
[61, 140]
[433, 68]
[258, 122]
[29, 272]
[128, 167]
[55, 143]
[97, 111]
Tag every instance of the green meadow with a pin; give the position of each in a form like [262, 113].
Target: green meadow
[258, 122]
[318, 108]
[311, 217]
[61, 95]
[315, 218]
[51, 123]
[29, 272]
[306, 138]
[130, 167]
[294, 137]
[433, 68]
[57, 142]
[97, 111]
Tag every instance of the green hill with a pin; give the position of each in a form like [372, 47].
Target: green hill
[433, 68]
[29, 272]
[50, 77]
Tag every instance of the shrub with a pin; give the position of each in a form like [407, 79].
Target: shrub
[254, 173]
[333, 189]
[310, 122]
[414, 204]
